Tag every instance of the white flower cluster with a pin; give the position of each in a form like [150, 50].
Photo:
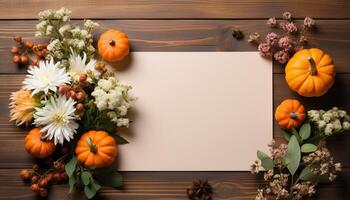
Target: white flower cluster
[331, 121]
[113, 97]
[56, 25]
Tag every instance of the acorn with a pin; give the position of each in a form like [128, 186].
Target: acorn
[72, 94]
[24, 59]
[80, 96]
[62, 89]
[14, 49]
[25, 175]
[35, 167]
[29, 44]
[35, 187]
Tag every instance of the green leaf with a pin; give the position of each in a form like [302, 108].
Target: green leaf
[285, 134]
[307, 148]
[293, 155]
[266, 161]
[109, 177]
[305, 131]
[71, 182]
[297, 136]
[70, 166]
[307, 174]
[86, 177]
[95, 185]
[119, 139]
[89, 191]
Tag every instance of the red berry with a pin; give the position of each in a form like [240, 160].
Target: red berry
[49, 177]
[40, 54]
[35, 179]
[18, 39]
[83, 78]
[80, 96]
[25, 175]
[35, 187]
[57, 177]
[43, 183]
[72, 94]
[24, 59]
[14, 49]
[29, 44]
[43, 192]
[79, 106]
[16, 59]
[62, 89]
[64, 176]
[36, 167]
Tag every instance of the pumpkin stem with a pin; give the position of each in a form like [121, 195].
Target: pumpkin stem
[92, 146]
[313, 69]
[112, 42]
[293, 115]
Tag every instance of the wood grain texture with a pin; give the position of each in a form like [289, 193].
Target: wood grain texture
[189, 35]
[175, 9]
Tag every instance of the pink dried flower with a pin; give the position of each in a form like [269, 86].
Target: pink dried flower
[290, 27]
[281, 56]
[264, 49]
[302, 40]
[285, 43]
[287, 16]
[271, 39]
[309, 23]
[298, 48]
[254, 37]
[272, 22]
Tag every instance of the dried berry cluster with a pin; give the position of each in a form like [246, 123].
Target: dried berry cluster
[41, 179]
[26, 52]
[200, 190]
[282, 47]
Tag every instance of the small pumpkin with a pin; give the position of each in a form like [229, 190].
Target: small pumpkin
[113, 45]
[36, 146]
[310, 72]
[96, 149]
[290, 114]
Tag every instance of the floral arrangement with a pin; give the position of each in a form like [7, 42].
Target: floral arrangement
[293, 170]
[73, 104]
[282, 47]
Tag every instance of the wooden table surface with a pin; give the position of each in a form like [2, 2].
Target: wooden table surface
[179, 25]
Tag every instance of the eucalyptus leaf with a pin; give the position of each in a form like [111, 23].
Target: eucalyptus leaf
[70, 166]
[89, 191]
[285, 134]
[307, 148]
[119, 139]
[293, 155]
[86, 177]
[307, 175]
[109, 177]
[266, 161]
[72, 180]
[305, 131]
[95, 185]
[297, 136]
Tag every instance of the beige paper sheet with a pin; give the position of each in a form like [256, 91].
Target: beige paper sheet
[197, 111]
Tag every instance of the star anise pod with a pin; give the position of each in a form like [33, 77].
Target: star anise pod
[200, 190]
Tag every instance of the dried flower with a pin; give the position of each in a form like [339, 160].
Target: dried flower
[281, 56]
[290, 27]
[272, 22]
[303, 189]
[264, 49]
[238, 34]
[287, 16]
[285, 43]
[254, 37]
[22, 106]
[254, 168]
[309, 23]
[200, 189]
[271, 39]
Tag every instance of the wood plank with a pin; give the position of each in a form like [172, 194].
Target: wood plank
[11, 138]
[168, 185]
[175, 9]
[189, 35]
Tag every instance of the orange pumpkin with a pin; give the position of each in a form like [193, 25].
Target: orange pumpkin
[310, 72]
[290, 114]
[96, 149]
[36, 146]
[113, 45]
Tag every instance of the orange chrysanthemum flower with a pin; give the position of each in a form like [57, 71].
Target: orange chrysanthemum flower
[22, 106]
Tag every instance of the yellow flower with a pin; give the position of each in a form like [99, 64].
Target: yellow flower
[22, 106]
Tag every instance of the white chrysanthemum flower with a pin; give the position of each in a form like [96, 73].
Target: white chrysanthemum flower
[45, 77]
[78, 66]
[57, 118]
